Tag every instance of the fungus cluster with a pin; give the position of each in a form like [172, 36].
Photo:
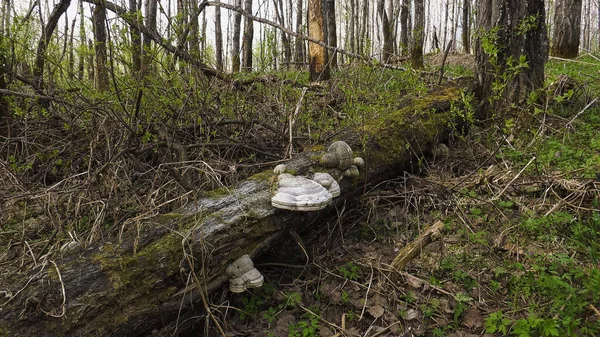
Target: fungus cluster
[299, 193]
[243, 275]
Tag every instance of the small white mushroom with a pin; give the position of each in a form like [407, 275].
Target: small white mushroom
[243, 275]
[300, 194]
[327, 181]
[280, 169]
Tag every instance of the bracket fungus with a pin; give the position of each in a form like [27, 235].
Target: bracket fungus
[327, 181]
[339, 155]
[243, 275]
[300, 194]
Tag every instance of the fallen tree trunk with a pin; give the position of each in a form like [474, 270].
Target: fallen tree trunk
[141, 284]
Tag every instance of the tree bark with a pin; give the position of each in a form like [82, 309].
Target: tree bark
[235, 43]
[99, 24]
[386, 30]
[329, 14]
[285, 39]
[151, 7]
[136, 40]
[248, 38]
[567, 28]
[363, 32]
[300, 51]
[47, 31]
[404, 27]
[466, 26]
[318, 68]
[218, 39]
[515, 34]
[82, 42]
[416, 50]
[152, 35]
[5, 114]
[194, 30]
[137, 285]
[352, 26]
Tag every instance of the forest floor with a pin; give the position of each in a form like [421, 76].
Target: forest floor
[519, 197]
[518, 256]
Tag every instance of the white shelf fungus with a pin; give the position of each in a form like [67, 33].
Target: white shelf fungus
[243, 275]
[300, 194]
[327, 181]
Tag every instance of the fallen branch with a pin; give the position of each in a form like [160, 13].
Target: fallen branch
[412, 249]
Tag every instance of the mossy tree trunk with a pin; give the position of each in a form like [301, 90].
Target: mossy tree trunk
[139, 284]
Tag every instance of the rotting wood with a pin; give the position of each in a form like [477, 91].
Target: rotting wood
[138, 285]
[413, 248]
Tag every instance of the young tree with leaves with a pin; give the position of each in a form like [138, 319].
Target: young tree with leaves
[512, 49]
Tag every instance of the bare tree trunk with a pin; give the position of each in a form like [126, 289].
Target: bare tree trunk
[151, 7]
[318, 69]
[329, 13]
[404, 27]
[82, 42]
[454, 23]
[416, 54]
[300, 52]
[386, 29]
[99, 24]
[363, 28]
[466, 26]
[235, 43]
[5, 115]
[512, 46]
[194, 29]
[285, 40]
[90, 62]
[248, 38]
[597, 44]
[72, 49]
[47, 31]
[203, 32]
[352, 26]
[392, 24]
[218, 39]
[182, 24]
[567, 21]
[136, 40]
[446, 13]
